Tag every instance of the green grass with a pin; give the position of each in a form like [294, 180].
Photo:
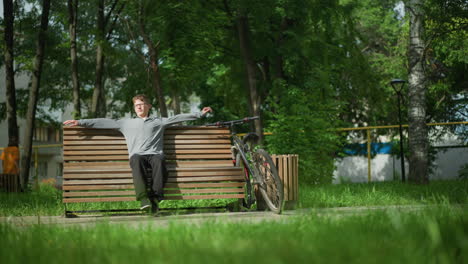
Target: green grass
[47, 200]
[384, 193]
[436, 236]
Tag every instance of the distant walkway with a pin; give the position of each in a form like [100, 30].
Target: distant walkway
[164, 219]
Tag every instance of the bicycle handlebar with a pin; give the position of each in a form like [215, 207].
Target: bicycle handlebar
[233, 122]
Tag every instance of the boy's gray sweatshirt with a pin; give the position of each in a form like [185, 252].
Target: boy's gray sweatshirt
[143, 136]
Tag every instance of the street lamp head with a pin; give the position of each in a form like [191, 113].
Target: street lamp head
[397, 84]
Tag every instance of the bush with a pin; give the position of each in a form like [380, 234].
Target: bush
[302, 124]
[463, 172]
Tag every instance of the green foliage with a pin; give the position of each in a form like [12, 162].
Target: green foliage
[319, 64]
[304, 125]
[43, 201]
[463, 172]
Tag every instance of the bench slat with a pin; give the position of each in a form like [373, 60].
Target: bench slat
[198, 156]
[132, 193]
[169, 180]
[212, 196]
[94, 152]
[217, 190]
[196, 131]
[98, 187]
[181, 197]
[96, 136]
[125, 152]
[168, 186]
[205, 179]
[93, 143]
[105, 193]
[125, 157]
[166, 148]
[128, 175]
[98, 176]
[206, 173]
[170, 164]
[91, 158]
[88, 182]
[167, 142]
[204, 136]
[101, 199]
[110, 169]
[198, 146]
[198, 163]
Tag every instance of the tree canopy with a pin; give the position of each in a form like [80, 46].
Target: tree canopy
[306, 66]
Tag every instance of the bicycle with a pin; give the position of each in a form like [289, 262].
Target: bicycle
[260, 171]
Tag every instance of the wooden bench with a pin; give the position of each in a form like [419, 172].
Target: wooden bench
[198, 160]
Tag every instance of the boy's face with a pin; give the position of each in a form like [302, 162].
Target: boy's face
[141, 108]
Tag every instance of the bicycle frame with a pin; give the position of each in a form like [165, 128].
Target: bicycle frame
[256, 168]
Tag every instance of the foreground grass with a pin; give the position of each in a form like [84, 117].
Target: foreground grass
[386, 237]
[47, 200]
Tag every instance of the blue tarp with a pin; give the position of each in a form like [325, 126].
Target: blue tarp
[361, 149]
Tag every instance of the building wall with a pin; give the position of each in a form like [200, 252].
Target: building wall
[49, 159]
[385, 167]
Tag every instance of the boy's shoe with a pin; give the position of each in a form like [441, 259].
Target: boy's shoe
[154, 206]
[145, 204]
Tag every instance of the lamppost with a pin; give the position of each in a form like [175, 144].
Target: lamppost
[397, 85]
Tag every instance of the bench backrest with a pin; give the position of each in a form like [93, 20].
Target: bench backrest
[198, 159]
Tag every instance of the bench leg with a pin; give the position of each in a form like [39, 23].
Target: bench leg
[69, 214]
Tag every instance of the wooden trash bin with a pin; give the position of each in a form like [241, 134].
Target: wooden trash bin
[288, 166]
[9, 183]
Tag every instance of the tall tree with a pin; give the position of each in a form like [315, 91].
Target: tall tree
[98, 101]
[104, 28]
[72, 25]
[33, 93]
[8, 15]
[417, 132]
[154, 59]
[250, 69]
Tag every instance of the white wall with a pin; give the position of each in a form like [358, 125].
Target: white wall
[384, 167]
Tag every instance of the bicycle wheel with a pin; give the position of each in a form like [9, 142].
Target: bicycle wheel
[249, 195]
[270, 186]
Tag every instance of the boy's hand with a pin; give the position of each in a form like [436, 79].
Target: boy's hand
[206, 110]
[71, 123]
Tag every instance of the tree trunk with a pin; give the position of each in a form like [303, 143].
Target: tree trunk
[176, 102]
[13, 133]
[98, 100]
[155, 77]
[33, 92]
[417, 132]
[254, 95]
[72, 12]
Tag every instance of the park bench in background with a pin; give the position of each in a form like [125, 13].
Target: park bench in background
[199, 164]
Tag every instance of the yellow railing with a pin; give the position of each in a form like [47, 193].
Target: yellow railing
[369, 139]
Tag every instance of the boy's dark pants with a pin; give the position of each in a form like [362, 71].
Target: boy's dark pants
[139, 165]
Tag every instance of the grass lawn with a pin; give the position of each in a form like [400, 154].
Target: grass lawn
[384, 193]
[432, 236]
[436, 235]
[47, 201]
